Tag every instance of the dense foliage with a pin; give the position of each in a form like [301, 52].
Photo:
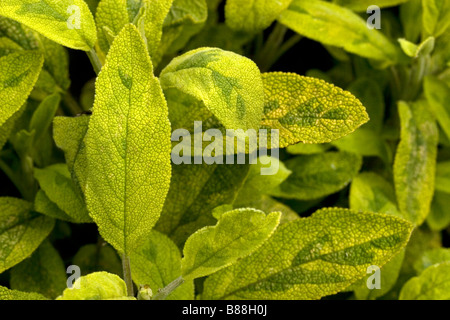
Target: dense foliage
[350, 201]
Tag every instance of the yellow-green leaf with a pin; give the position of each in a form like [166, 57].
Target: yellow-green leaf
[333, 25]
[254, 15]
[21, 231]
[308, 110]
[128, 145]
[96, 286]
[43, 272]
[436, 16]
[432, 284]
[229, 85]
[312, 257]
[317, 175]
[237, 234]
[415, 161]
[97, 257]
[7, 294]
[55, 181]
[362, 5]
[18, 74]
[195, 190]
[67, 22]
[69, 135]
[157, 263]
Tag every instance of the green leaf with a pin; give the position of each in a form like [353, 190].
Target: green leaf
[229, 85]
[432, 284]
[369, 92]
[157, 263]
[437, 93]
[44, 205]
[21, 231]
[97, 257]
[371, 192]
[54, 75]
[55, 181]
[96, 286]
[185, 19]
[318, 175]
[128, 145]
[257, 184]
[389, 274]
[308, 110]
[43, 272]
[442, 182]
[43, 116]
[195, 190]
[362, 5]
[432, 257]
[237, 234]
[7, 294]
[69, 135]
[436, 16]
[312, 257]
[306, 148]
[333, 25]
[253, 16]
[411, 18]
[113, 15]
[18, 74]
[415, 161]
[415, 51]
[67, 22]
[439, 217]
[364, 142]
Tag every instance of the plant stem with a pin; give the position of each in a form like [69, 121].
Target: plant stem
[164, 292]
[127, 275]
[266, 55]
[71, 104]
[95, 60]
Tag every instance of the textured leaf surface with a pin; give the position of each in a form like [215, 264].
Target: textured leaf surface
[437, 93]
[229, 85]
[21, 231]
[128, 145]
[44, 205]
[43, 272]
[237, 234]
[312, 257]
[370, 192]
[308, 109]
[195, 190]
[432, 284]
[54, 75]
[58, 187]
[253, 16]
[415, 161]
[432, 257]
[7, 294]
[69, 135]
[318, 175]
[439, 217]
[52, 19]
[442, 182]
[436, 16]
[96, 286]
[157, 263]
[115, 14]
[257, 184]
[337, 26]
[18, 74]
[362, 5]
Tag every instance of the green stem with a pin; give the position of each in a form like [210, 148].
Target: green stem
[164, 292]
[271, 46]
[71, 104]
[127, 275]
[95, 60]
